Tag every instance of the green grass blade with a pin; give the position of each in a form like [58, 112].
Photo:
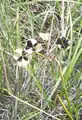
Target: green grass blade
[74, 59]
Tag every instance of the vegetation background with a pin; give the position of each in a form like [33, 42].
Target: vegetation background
[49, 88]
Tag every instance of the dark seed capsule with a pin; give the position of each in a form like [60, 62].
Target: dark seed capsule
[65, 42]
[35, 44]
[23, 52]
[58, 41]
[25, 58]
[29, 44]
[62, 42]
[20, 58]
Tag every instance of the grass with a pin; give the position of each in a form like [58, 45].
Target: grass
[50, 87]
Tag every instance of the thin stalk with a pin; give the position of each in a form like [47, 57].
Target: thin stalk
[71, 118]
[62, 19]
[34, 107]
[15, 103]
